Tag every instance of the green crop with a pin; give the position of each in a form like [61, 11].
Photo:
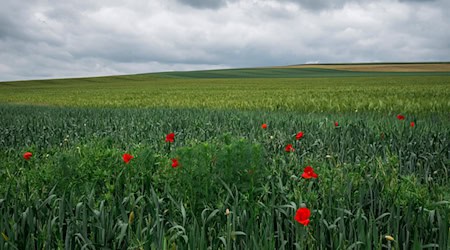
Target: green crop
[377, 176]
[341, 93]
[382, 183]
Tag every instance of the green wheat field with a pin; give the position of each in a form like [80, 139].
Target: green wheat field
[379, 143]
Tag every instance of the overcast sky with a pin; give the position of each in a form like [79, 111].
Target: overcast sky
[53, 39]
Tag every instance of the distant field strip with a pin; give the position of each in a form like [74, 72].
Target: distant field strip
[412, 67]
[290, 89]
[304, 71]
[412, 94]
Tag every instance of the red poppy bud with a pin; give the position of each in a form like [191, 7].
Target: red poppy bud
[289, 148]
[302, 216]
[127, 157]
[27, 155]
[175, 163]
[170, 137]
[309, 173]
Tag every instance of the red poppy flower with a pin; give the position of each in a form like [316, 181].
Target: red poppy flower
[336, 124]
[299, 135]
[27, 155]
[264, 126]
[127, 157]
[400, 117]
[170, 137]
[289, 148]
[302, 216]
[412, 124]
[309, 173]
[175, 163]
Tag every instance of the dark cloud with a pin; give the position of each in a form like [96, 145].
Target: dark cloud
[322, 4]
[212, 4]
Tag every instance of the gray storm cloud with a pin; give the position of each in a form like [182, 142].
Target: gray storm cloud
[47, 39]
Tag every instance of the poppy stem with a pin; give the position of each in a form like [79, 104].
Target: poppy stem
[229, 232]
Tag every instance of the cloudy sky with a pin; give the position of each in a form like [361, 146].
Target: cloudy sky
[53, 39]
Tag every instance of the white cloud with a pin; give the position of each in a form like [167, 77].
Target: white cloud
[80, 38]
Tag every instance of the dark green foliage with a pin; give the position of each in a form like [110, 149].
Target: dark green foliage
[377, 176]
